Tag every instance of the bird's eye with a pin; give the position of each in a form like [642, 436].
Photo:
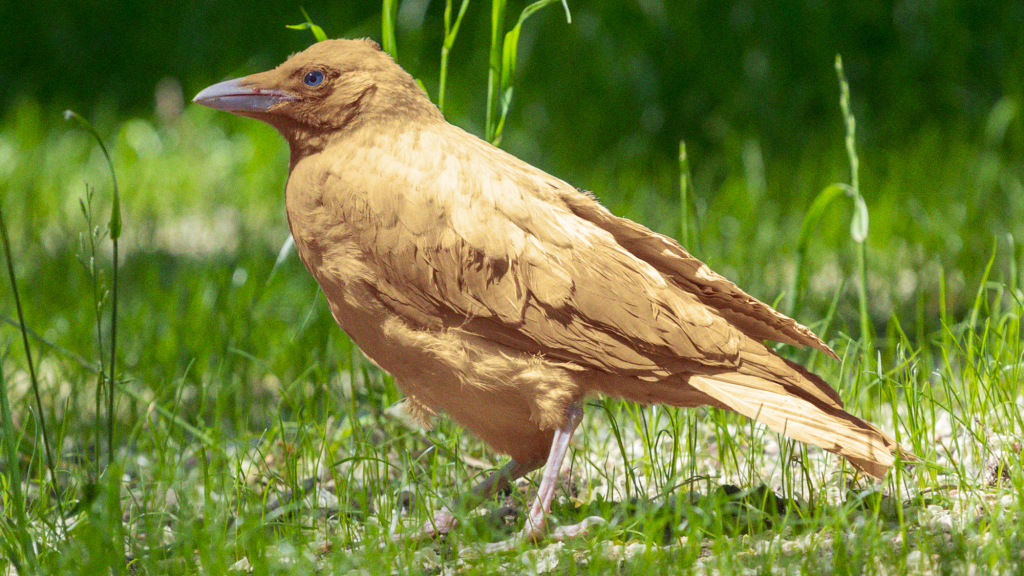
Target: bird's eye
[313, 78]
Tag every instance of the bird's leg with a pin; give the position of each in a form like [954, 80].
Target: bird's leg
[444, 521]
[536, 525]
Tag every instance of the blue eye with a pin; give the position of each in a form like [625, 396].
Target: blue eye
[313, 78]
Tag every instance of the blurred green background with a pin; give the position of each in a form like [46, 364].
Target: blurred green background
[707, 71]
[602, 103]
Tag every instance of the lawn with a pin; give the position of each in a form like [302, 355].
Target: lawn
[249, 435]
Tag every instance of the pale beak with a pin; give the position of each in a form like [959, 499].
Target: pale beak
[240, 96]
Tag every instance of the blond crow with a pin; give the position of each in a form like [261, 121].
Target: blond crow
[502, 296]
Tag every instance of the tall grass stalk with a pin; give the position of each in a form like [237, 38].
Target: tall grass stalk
[979, 302]
[40, 420]
[114, 227]
[494, 69]
[17, 500]
[859, 223]
[451, 30]
[685, 197]
[389, 17]
[89, 261]
[502, 63]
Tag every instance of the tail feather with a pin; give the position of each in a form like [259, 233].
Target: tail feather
[806, 419]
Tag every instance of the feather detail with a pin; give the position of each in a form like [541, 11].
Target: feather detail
[756, 319]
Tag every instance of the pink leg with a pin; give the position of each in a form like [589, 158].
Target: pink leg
[536, 523]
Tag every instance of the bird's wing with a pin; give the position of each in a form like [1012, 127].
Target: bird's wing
[464, 235]
[755, 318]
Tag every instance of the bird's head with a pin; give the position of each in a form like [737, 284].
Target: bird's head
[327, 89]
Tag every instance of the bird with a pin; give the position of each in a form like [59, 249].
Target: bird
[502, 296]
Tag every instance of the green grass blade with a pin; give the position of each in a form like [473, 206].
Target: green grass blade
[33, 378]
[389, 16]
[859, 224]
[451, 31]
[850, 123]
[317, 31]
[115, 233]
[501, 78]
[979, 303]
[685, 194]
[494, 68]
[810, 224]
[17, 497]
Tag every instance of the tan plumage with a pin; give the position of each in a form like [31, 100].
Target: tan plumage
[501, 295]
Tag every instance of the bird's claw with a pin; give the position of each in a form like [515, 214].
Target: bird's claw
[576, 530]
[443, 523]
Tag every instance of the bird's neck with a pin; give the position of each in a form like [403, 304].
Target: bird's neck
[369, 129]
[302, 146]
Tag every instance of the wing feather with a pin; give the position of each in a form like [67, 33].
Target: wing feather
[755, 318]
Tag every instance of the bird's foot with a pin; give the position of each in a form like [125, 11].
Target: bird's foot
[536, 530]
[443, 523]
[563, 533]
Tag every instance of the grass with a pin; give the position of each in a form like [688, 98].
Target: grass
[253, 436]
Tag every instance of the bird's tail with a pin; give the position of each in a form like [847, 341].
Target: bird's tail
[804, 417]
